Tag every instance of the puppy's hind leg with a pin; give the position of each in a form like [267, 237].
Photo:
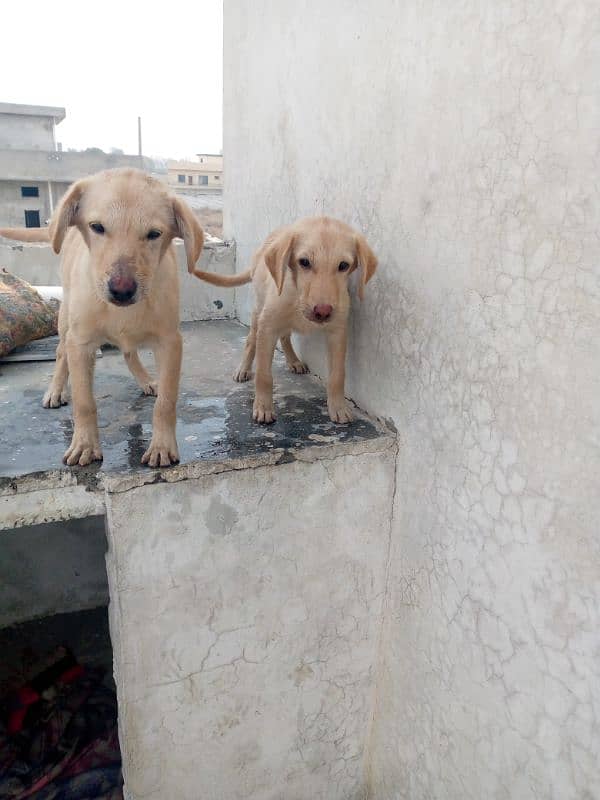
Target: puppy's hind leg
[293, 361]
[56, 394]
[244, 371]
[140, 373]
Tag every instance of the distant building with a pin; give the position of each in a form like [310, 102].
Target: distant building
[34, 172]
[206, 173]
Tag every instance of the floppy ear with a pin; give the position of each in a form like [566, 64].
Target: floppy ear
[188, 228]
[66, 214]
[277, 256]
[367, 261]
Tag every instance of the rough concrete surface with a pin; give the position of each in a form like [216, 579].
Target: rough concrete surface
[462, 139]
[246, 584]
[52, 568]
[245, 621]
[214, 412]
[215, 431]
[197, 199]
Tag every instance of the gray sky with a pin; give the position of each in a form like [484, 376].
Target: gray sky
[109, 62]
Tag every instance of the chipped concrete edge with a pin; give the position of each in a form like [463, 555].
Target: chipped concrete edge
[59, 495]
[116, 484]
[49, 505]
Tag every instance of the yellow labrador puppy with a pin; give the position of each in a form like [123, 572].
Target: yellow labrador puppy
[120, 285]
[300, 278]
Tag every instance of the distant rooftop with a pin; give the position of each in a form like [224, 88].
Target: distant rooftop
[54, 112]
[212, 155]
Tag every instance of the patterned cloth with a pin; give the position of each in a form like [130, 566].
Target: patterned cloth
[59, 740]
[24, 314]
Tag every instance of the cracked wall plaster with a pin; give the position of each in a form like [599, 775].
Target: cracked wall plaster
[245, 616]
[462, 139]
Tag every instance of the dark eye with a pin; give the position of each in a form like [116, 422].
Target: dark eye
[153, 234]
[304, 263]
[97, 227]
[344, 266]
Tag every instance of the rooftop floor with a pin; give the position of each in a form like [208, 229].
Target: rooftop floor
[215, 430]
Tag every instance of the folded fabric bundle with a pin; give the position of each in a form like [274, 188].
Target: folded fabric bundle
[24, 314]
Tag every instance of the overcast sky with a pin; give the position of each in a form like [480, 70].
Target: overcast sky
[109, 62]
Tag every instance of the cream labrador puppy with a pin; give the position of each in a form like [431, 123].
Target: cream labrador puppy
[300, 279]
[120, 285]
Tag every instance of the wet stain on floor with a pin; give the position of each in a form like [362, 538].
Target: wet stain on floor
[214, 413]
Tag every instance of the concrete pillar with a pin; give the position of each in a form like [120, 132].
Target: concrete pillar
[245, 617]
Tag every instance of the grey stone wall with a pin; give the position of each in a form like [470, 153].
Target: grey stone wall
[462, 140]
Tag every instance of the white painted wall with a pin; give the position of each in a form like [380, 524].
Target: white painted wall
[462, 139]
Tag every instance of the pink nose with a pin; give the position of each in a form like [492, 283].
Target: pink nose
[322, 311]
[122, 288]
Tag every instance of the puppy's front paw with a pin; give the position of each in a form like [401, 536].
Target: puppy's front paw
[150, 389]
[85, 448]
[339, 411]
[299, 367]
[262, 411]
[54, 399]
[162, 452]
[242, 375]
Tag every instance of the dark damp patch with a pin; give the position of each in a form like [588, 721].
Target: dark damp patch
[214, 414]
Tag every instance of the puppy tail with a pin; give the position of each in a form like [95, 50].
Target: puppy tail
[26, 234]
[224, 280]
